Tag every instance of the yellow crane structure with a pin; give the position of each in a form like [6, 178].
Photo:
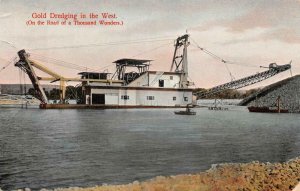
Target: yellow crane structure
[27, 65]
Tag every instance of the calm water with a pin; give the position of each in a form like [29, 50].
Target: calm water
[61, 148]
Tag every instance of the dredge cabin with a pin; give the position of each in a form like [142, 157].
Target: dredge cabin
[139, 88]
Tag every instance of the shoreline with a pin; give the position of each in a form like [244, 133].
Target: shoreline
[228, 176]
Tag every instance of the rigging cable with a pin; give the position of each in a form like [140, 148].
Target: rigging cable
[8, 63]
[25, 89]
[222, 60]
[151, 50]
[216, 57]
[106, 44]
[61, 63]
[80, 68]
[73, 91]
[68, 64]
[10, 44]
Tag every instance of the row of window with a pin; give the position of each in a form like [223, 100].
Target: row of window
[185, 99]
[126, 97]
[150, 97]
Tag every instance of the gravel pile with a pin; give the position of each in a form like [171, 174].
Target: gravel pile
[288, 90]
[254, 176]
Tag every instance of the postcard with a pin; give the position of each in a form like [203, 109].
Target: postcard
[149, 95]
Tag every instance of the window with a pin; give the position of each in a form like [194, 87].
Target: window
[161, 83]
[186, 99]
[174, 98]
[171, 77]
[150, 97]
[125, 97]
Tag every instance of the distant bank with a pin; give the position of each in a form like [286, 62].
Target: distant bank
[17, 89]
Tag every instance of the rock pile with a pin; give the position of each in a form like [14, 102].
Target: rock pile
[288, 90]
[252, 176]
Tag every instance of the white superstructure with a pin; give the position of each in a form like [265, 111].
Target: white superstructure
[142, 87]
[163, 91]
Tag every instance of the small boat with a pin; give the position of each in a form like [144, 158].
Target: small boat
[186, 112]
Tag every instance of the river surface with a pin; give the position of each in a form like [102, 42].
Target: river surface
[62, 148]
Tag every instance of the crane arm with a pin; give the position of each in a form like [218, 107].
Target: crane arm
[24, 64]
[28, 65]
[80, 80]
[243, 82]
[45, 69]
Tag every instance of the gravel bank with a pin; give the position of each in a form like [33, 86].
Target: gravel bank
[288, 90]
[240, 177]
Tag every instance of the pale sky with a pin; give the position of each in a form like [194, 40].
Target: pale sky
[250, 33]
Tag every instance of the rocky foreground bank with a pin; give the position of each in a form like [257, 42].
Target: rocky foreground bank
[241, 177]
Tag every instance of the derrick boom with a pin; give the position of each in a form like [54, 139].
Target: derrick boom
[247, 81]
[180, 61]
[24, 64]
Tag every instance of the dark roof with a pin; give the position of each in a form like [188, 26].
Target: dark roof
[169, 73]
[130, 61]
[83, 73]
